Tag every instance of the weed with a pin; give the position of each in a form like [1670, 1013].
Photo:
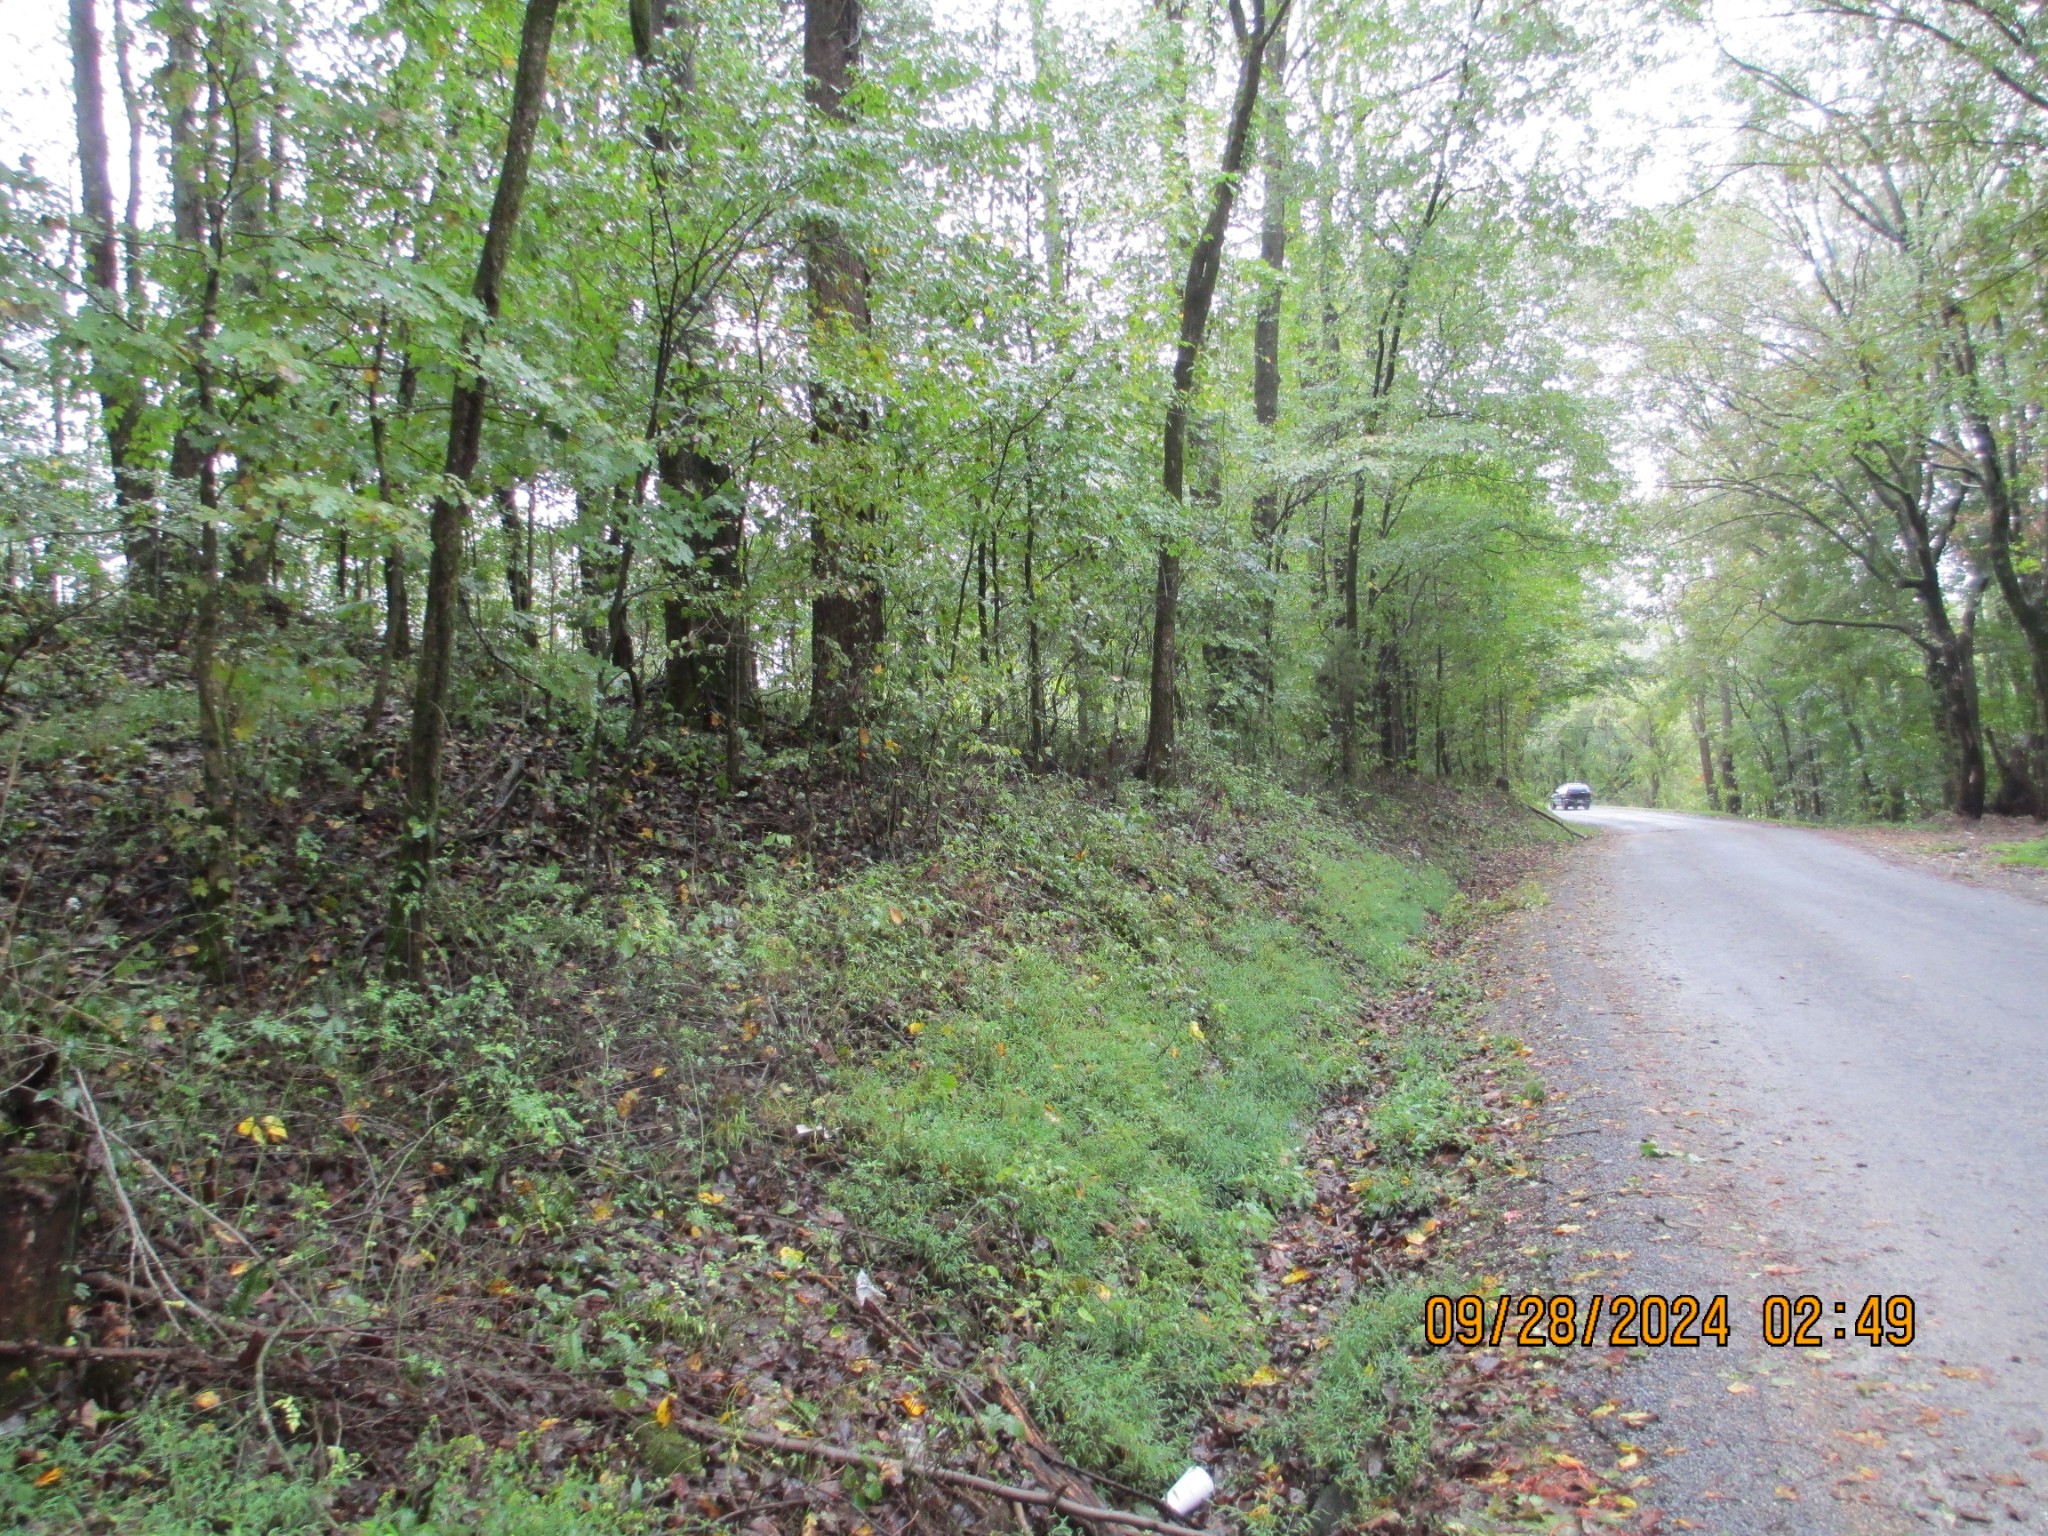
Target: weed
[1367, 1418]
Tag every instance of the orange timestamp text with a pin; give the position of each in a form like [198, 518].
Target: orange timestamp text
[1656, 1321]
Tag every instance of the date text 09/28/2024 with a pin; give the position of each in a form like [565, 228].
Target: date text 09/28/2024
[1676, 1322]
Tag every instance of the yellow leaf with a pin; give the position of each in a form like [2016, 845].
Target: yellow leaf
[791, 1256]
[206, 1401]
[896, 915]
[247, 1127]
[51, 1478]
[1294, 1277]
[627, 1102]
[1264, 1376]
[647, 834]
[658, 1072]
[600, 1210]
[665, 1411]
[710, 1197]
[1789, 1495]
[1196, 1030]
[351, 1122]
[238, 1269]
[1963, 1372]
[912, 1404]
[1740, 1386]
[546, 1424]
[914, 1027]
[1603, 1410]
[1629, 1462]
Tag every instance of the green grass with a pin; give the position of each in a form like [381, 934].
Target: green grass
[1089, 1146]
[1084, 1041]
[1367, 1418]
[179, 1473]
[2033, 854]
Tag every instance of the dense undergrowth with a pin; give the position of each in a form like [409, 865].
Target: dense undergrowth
[1041, 1059]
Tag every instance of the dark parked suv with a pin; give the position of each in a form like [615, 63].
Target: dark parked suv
[1572, 797]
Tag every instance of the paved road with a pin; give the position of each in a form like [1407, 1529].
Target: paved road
[1849, 1061]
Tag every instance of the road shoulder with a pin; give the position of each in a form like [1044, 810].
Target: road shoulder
[1649, 1174]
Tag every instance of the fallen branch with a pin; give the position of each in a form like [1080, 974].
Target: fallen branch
[704, 1429]
[15, 1348]
[1555, 821]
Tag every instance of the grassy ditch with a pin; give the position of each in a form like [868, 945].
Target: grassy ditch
[1059, 1081]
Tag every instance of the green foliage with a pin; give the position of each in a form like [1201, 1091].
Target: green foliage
[1367, 1418]
[1090, 1136]
[170, 1470]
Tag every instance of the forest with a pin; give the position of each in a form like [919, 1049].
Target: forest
[716, 715]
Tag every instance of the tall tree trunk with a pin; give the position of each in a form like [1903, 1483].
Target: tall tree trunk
[702, 630]
[1706, 746]
[198, 224]
[44, 1179]
[118, 389]
[1198, 292]
[397, 644]
[2017, 570]
[1350, 650]
[518, 546]
[406, 925]
[846, 612]
[701, 672]
[1266, 347]
[1731, 792]
[1034, 668]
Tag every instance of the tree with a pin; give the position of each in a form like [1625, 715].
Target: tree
[846, 611]
[1197, 294]
[407, 926]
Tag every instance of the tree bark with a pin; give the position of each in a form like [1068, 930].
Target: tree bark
[701, 632]
[397, 643]
[1198, 292]
[2024, 590]
[1731, 791]
[1273, 152]
[846, 612]
[518, 563]
[1706, 746]
[406, 926]
[44, 1179]
[116, 386]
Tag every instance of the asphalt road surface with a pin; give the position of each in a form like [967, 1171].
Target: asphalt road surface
[1781, 1064]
